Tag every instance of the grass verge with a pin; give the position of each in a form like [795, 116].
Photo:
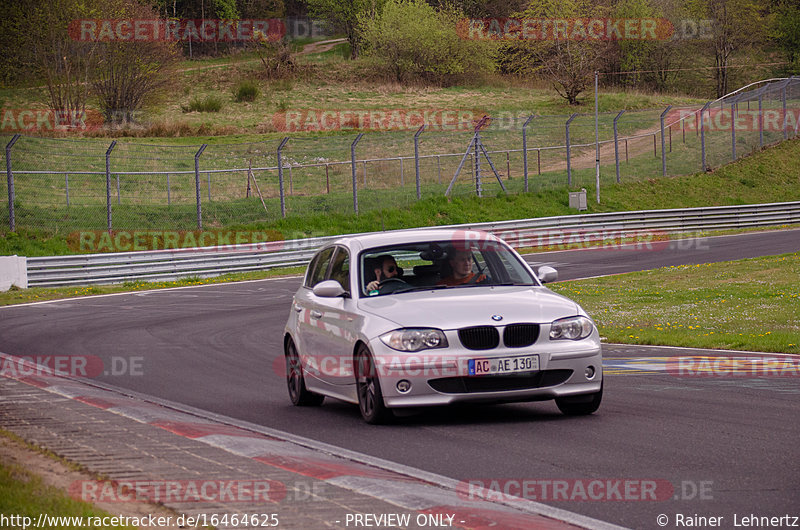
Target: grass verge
[751, 304]
[42, 294]
[24, 496]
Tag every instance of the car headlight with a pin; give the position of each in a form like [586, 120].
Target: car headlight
[415, 339]
[571, 328]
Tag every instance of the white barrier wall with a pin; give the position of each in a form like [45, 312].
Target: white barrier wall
[13, 271]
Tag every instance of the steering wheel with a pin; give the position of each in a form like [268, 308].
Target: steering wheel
[390, 285]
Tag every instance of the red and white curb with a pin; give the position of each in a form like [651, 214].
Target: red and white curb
[409, 488]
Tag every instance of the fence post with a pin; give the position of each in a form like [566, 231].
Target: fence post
[280, 176]
[733, 129]
[169, 200]
[616, 142]
[108, 182]
[353, 167]
[525, 150]
[663, 150]
[703, 138]
[477, 165]
[783, 100]
[569, 166]
[197, 185]
[10, 181]
[66, 186]
[760, 121]
[416, 159]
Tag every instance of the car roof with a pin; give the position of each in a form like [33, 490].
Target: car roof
[416, 235]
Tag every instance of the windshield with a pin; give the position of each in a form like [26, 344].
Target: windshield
[439, 265]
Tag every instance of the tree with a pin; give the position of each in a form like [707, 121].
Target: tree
[568, 63]
[65, 64]
[785, 32]
[735, 26]
[128, 74]
[417, 41]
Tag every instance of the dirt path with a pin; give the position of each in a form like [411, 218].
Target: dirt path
[320, 47]
[585, 157]
[312, 47]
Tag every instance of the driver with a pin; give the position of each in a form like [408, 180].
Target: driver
[385, 268]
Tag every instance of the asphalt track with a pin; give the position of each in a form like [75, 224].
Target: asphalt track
[724, 446]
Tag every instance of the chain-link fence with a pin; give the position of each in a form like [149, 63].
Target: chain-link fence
[64, 185]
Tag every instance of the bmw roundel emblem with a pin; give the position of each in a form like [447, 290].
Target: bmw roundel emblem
[497, 318]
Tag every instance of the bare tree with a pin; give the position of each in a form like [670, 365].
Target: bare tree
[568, 63]
[735, 26]
[65, 64]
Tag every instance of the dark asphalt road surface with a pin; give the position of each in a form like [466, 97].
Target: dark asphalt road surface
[727, 446]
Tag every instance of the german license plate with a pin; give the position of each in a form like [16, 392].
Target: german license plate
[504, 365]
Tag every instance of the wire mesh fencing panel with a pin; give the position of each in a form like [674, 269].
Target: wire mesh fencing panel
[238, 184]
[152, 186]
[59, 184]
[318, 175]
[64, 184]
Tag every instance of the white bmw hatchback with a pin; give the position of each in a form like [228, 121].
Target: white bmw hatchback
[432, 317]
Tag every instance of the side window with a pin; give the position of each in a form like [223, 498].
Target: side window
[340, 270]
[318, 267]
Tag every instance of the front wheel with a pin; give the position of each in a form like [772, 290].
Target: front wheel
[295, 382]
[580, 405]
[370, 397]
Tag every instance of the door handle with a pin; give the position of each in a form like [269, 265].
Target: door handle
[316, 314]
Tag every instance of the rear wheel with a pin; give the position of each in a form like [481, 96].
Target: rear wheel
[580, 405]
[295, 382]
[370, 397]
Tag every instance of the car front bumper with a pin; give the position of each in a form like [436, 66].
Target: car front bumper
[440, 377]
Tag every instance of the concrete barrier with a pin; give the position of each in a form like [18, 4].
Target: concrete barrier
[13, 271]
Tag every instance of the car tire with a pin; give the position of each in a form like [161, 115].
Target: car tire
[580, 405]
[368, 387]
[295, 382]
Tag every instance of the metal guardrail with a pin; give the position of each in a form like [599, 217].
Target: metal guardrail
[86, 269]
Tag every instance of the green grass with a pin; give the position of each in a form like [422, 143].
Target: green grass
[210, 103]
[25, 495]
[751, 304]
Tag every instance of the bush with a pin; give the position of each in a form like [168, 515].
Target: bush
[246, 91]
[415, 40]
[209, 104]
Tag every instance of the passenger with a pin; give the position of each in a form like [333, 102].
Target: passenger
[385, 268]
[461, 265]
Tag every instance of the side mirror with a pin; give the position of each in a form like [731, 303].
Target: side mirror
[547, 274]
[328, 289]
